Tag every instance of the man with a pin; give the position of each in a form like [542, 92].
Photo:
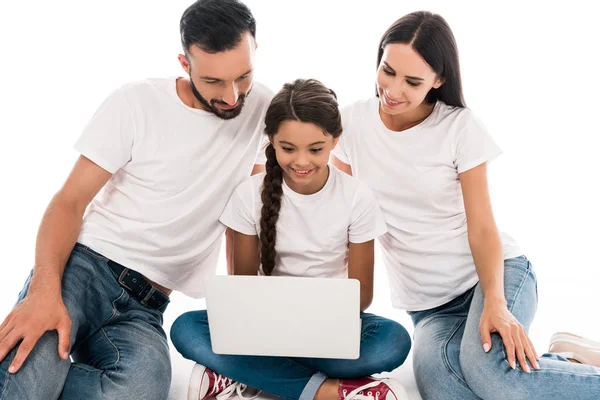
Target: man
[167, 153]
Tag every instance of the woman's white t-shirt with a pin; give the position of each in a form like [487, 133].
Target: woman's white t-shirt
[313, 231]
[414, 175]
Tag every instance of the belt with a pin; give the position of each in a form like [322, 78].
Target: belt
[138, 286]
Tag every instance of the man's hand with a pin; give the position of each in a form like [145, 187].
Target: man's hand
[30, 319]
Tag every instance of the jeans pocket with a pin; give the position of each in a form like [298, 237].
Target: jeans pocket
[520, 262]
[119, 305]
[89, 252]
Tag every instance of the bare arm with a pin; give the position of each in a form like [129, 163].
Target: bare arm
[43, 309]
[245, 254]
[257, 169]
[61, 223]
[342, 166]
[486, 247]
[361, 261]
[484, 238]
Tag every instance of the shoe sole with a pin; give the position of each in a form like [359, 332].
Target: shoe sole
[571, 338]
[575, 347]
[195, 382]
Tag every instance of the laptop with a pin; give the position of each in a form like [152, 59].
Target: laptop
[284, 316]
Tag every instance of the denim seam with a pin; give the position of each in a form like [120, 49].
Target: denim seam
[445, 353]
[558, 371]
[468, 300]
[89, 371]
[116, 349]
[288, 359]
[370, 330]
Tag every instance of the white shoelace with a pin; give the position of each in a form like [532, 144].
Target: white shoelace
[221, 382]
[235, 388]
[359, 392]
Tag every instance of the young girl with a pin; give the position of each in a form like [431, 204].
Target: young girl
[308, 219]
[470, 292]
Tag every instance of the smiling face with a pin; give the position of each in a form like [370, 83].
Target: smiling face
[302, 151]
[403, 79]
[221, 81]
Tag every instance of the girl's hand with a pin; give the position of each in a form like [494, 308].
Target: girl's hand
[496, 317]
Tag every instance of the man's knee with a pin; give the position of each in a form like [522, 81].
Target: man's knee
[41, 376]
[147, 376]
[150, 383]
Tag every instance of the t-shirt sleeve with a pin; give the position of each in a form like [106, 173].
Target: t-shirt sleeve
[474, 145]
[239, 213]
[340, 150]
[108, 137]
[261, 157]
[367, 222]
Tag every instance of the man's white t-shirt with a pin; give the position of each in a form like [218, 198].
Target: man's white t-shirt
[313, 231]
[414, 175]
[174, 169]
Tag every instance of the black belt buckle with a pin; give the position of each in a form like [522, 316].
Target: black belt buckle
[139, 286]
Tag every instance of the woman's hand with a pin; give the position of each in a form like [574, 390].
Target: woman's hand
[496, 317]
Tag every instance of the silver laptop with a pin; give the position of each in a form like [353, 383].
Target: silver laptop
[284, 316]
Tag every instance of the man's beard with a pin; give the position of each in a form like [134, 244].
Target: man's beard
[210, 106]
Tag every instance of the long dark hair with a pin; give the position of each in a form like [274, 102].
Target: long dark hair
[430, 36]
[304, 100]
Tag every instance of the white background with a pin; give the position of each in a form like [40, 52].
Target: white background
[529, 70]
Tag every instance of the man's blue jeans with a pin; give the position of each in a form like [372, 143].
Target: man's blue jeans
[450, 363]
[384, 346]
[119, 348]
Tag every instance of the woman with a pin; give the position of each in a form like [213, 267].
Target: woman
[469, 290]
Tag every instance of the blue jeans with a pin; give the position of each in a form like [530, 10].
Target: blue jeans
[384, 346]
[450, 363]
[119, 348]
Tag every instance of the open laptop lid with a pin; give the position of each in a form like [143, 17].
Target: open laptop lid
[284, 316]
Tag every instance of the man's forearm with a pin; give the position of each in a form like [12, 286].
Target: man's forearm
[56, 237]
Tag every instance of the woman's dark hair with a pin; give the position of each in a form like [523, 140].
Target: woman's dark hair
[215, 25]
[430, 36]
[304, 100]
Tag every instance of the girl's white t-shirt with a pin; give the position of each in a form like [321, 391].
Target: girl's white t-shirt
[414, 176]
[313, 231]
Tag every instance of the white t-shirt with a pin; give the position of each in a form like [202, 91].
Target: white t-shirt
[174, 169]
[313, 231]
[414, 175]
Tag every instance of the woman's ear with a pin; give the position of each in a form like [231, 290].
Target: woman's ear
[438, 83]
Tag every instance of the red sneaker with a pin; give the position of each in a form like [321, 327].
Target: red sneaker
[371, 389]
[205, 383]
